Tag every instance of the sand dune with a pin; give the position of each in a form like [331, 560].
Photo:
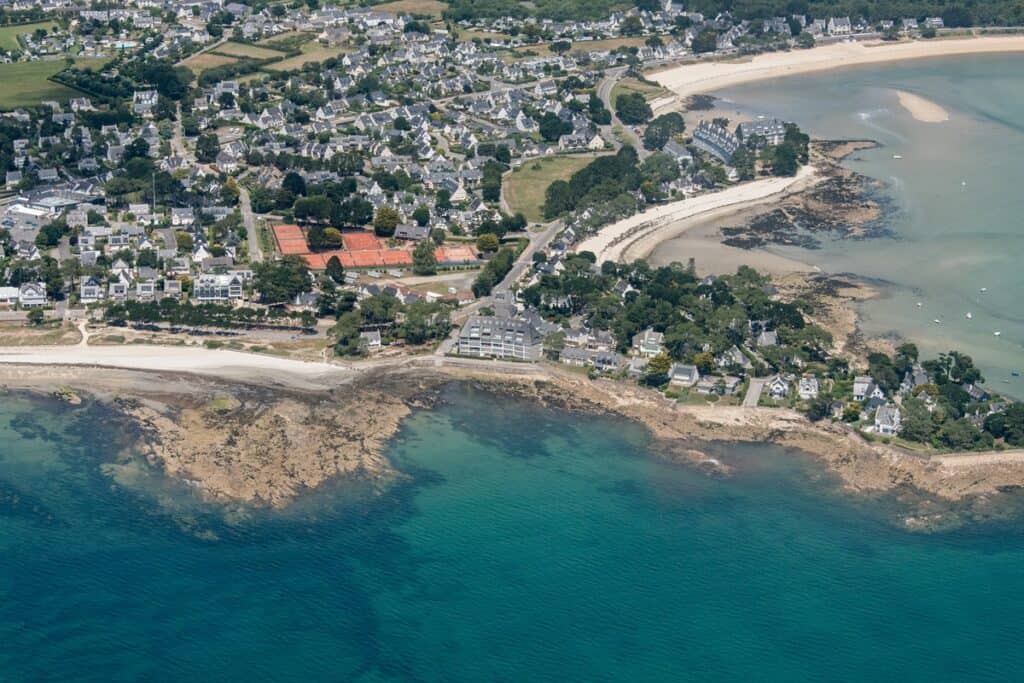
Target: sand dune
[707, 77]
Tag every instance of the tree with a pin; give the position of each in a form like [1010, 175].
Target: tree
[705, 41]
[599, 114]
[631, 26]
[35, 317]
[663, 129]
[487, 242]
[280, 281]
[1008, 425]
[334, 270]
[385, 222]
[632, 108]
[552, 127]
[421, 215]
[423, 260]
[207, 148]
[560, 47]
[961, 435]
[294, 183]
[819, 408]
[443, 200]
[657, 370]
[916, 423]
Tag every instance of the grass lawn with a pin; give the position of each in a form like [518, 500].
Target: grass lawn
[288, 35]
[467, 36]
[431, 8]
[544, 49]
[524, 188]
[9, 34]
[243, 50]
[206, 60]
[26, 85]
[312, 51]
[629, 85]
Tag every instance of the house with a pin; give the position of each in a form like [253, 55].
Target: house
[90, 290]
[778, 387]
[772, 130]
[887, 420]
[225, 287]
[370, 341]
[648, 343]
[499, 337]
[839, 26]
[715, 140]
[681, 375]
[9, 295]
[861, 385]
[808, 388]
[32, 294]
[721, 385]
[767, 338]
[976, 393]
[144, 102]
[576, 357]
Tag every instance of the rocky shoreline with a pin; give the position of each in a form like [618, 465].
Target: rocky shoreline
[842, 204]
[241, 443]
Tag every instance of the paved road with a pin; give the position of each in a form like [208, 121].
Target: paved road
[604, 91]
[754, 392]
[249, 221]
[178, 138]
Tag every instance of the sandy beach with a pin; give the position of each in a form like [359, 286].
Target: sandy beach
[707, 77]
[921, 109]
[639, 234]
[221, 363]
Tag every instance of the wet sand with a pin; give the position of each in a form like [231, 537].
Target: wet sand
[921, 109]
[710, 76]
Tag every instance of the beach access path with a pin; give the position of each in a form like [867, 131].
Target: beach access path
[709, 76]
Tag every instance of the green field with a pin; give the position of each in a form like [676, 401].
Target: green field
[9, 34]
[26, 84]
[629, 85]
[524, 188]
[243, 50]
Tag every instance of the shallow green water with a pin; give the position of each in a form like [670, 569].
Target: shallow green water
[526, 544]
[956, 190]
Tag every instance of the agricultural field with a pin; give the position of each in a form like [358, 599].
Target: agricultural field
[430, 8]
[243, 50]
[206, 60]
[9, 34]
[26, 84]
[524, 187]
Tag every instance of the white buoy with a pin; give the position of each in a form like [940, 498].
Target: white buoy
[969, 316]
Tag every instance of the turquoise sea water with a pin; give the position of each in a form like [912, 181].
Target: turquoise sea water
[524, 544]
[956, 192]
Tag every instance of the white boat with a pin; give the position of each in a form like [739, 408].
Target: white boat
[937, 321]
[997, 333]
[897, 156]
[969, 316]
[983, 290]
[919, 304]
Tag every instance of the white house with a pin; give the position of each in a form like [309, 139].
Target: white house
[808, 388]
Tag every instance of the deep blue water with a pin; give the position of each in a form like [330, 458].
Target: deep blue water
[525, 544]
